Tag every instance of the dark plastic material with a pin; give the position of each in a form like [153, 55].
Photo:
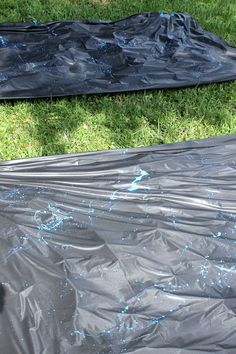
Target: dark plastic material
[127, 251]
[144, 51]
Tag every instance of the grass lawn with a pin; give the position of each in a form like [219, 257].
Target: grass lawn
[45, 127]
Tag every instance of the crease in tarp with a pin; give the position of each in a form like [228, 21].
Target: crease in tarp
[121, 251]
[143, 51]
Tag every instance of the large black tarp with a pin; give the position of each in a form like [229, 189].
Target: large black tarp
[125, 251]
[144, 51]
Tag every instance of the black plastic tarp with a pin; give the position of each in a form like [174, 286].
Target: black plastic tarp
[125, 251]
[144, 51]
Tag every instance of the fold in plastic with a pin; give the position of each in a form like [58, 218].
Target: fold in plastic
[125, 251]
[144, 51]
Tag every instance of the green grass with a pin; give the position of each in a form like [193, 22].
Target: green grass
[44, 127]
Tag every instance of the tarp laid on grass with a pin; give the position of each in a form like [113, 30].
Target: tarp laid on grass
[144, 51]
[125, 251]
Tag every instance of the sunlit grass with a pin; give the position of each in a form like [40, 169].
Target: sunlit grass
[41, 127]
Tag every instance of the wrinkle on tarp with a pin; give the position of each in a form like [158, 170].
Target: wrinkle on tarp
[143, 51]
[124, 251]
[2, 297]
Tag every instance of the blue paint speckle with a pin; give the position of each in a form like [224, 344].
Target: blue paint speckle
[106, 68]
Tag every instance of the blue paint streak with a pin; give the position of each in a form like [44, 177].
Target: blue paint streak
[113, 195]
[134, 185]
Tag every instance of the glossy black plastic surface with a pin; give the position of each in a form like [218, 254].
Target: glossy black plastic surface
[144, 51]
[126, 251]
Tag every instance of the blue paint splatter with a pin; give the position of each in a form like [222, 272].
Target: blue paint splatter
[186, 248]
[50, 218]
[21, 246]
[4, 43]
[3, 77]
[203, 271]
[91, 212]
[216, 235]
[13, 194]
[125, 310]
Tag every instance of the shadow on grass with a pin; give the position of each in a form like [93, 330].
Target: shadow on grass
[89, 123]
[65, 124]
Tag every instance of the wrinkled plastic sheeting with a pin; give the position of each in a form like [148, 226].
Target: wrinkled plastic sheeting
[144, 51]
[125, 251]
